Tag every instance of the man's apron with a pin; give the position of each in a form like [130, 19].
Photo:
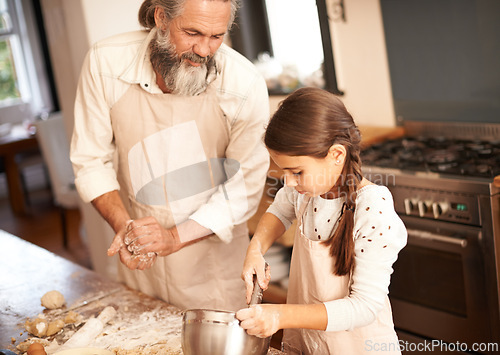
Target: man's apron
[311, 281]
[167, 148]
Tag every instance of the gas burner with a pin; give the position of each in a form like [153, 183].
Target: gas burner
[442, 156]
[412, 144]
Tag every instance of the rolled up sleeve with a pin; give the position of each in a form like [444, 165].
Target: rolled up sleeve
[92, 147]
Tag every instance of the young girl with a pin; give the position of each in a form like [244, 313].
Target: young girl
[347, 237]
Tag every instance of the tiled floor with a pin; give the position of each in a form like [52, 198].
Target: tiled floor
[42, 226]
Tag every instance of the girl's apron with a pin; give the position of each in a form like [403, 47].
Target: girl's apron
[311, 281]
[170, 155]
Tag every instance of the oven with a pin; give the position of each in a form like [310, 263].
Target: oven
[444, 66]
[445, 289]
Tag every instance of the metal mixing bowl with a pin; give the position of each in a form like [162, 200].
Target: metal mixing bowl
[211, 332]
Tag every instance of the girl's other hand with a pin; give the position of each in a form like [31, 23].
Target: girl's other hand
[261, 320]
[255, 265]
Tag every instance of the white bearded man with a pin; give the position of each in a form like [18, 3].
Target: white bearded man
[167, 145]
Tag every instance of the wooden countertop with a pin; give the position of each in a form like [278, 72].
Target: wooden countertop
[369, 135]
[28, 272]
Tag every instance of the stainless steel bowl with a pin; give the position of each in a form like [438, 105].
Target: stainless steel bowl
[211, 332]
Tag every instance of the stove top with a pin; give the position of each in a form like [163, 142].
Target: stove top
[467, 158]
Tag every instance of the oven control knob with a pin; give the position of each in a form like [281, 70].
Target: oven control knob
[423, 207]
[409, 206]
[438, 208]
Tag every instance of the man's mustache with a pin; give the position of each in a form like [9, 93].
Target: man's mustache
[195, 58]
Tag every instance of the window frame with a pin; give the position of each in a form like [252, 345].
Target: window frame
[36, 84]
[251, 35]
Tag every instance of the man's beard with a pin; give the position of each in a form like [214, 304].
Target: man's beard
[180, 77]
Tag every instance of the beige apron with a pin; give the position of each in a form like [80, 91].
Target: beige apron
[311, 281]
[166, 145]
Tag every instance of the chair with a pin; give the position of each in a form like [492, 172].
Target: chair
[54, 145]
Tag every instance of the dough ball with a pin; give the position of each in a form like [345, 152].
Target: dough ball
[54, 327]
[38, 327]
[52, 300]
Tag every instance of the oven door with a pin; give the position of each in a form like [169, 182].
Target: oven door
[438, 289]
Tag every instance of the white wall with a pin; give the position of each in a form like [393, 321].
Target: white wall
[109, 17]
[361, 62]
[72, 27]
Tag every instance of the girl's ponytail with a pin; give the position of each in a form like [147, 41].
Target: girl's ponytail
[342, 242]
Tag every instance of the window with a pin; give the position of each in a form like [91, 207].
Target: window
[289, 41]
[25, 86]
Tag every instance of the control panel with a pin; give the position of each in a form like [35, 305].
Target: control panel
[437, 205]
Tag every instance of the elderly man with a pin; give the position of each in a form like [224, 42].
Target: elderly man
[167, 146]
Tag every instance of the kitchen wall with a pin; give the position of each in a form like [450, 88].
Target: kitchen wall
[360, 59]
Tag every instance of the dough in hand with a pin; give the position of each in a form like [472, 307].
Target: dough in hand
[53, 299]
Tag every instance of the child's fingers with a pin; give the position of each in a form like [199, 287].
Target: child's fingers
[248, 278]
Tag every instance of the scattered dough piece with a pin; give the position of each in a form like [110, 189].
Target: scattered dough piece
[54, 327]
[37, 327]
[53, 299]
[72, 317]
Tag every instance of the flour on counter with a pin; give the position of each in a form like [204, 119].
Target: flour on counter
[149, 331]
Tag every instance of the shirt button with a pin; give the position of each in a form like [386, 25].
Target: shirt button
[146, 85]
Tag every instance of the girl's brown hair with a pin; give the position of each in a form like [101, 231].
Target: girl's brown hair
[307, 123]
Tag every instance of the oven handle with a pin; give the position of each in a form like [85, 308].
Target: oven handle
[437, 237]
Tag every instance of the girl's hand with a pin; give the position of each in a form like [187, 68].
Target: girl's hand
[261, 320]
[255, 265]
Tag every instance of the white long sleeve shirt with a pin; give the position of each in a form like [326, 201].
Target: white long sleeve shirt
[379, 235]
[115, 64]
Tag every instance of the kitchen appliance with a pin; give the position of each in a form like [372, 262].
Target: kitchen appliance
[444, 62]
[445, 284]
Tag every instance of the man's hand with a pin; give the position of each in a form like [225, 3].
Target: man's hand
[131, 260]
[146, 235]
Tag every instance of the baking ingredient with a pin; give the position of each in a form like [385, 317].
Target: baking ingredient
[41, 327]
[54, 327]
[90, 330]
[72, 317]
[36, 349]
[148, 333]
[37, 327]
[53, 299]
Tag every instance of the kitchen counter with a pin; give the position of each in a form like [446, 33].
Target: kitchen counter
[28, 272]
[369, 135]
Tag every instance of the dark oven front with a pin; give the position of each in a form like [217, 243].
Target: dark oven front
[444, 288]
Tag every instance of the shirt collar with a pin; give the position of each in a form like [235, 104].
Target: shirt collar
[140, 71]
